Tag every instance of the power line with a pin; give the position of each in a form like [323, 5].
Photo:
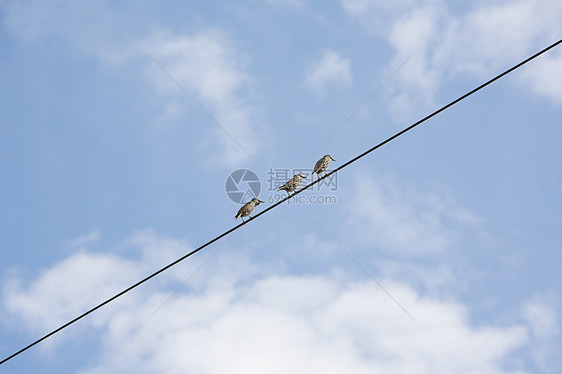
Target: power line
[283, 200]
[191, 276]
[362, 104]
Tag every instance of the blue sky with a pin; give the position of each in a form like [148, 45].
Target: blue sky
[109, 170]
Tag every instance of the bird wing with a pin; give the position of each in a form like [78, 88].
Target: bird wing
[318, 166]
[241, 210]
[287, 184]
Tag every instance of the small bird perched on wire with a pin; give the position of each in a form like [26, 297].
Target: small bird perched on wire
[248, 208]
[292, 184]
[322, 165]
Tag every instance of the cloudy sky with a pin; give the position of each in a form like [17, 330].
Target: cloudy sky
[438, 253]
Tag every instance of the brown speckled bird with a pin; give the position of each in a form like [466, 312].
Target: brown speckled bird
[322, 165]
[248, 208]
[292, 184]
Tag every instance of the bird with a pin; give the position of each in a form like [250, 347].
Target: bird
[322, 165]
[292, 184]
[248, 208]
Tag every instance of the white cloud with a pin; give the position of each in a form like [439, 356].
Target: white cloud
[33, 19]
[84, 240]
[207, 64]
[85, 279]
[210, 69]
[436, 279]
[292, 3]
[67, 289]
[94, 27]
[541, 316]
[444, 44]
[331, 69]
[541, 313]
[377, 15]
[544, 77]
[405, 221]
[265, 323]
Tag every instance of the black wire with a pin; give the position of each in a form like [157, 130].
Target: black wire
[283, 200]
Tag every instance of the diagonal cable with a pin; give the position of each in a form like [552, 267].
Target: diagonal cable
[191, 276]
[197, 102]
[362, 105]
[362, 267]
[553, 45]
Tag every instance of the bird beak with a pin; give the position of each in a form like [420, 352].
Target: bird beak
[260, 201]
